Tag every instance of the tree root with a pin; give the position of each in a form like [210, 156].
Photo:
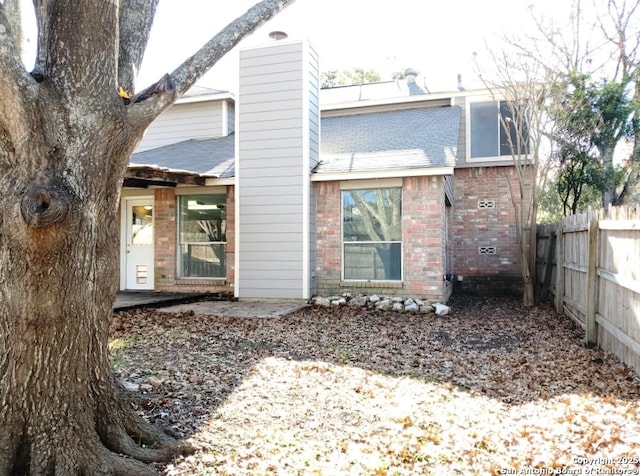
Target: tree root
[123, 466]
[110, 439]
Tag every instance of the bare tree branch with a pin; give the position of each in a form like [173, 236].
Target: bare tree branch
[136, 18]
[153, 100]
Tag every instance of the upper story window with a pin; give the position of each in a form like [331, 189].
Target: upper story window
[493, 130]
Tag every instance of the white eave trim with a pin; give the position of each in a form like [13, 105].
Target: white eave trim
[211, 182]
[205, 97]
[378, 174]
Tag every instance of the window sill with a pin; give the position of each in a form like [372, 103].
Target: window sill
[502, 158]
[372, 284]
[208, 281]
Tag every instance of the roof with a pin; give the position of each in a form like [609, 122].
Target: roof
[391, 140]
[403, 139]
[205, 157]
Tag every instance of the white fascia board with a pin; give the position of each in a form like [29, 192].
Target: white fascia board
[417, 99]
[373, 174]
[206, 97]
[213, 181]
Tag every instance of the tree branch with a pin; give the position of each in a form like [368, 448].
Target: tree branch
[73, 33]
[136, 18]
[153, 100]
[17, 91]
[12, 12]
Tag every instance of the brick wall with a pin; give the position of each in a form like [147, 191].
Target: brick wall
[423, 236]
[475, 227]
[329, 238]
[166, 252]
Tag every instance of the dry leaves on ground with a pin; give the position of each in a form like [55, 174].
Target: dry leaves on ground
[491, 388]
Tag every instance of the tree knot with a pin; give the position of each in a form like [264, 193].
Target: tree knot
[44, 205]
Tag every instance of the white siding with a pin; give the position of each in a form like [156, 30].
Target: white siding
[196, 120]
[277, 127]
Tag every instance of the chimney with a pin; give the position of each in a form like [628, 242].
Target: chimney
[277, 137]
[278, 35]
[460, 86]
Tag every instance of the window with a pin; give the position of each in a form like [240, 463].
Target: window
[488, 135]
[372, 234]
[202, 236]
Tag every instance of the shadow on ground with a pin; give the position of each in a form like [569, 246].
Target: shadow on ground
[186, 365]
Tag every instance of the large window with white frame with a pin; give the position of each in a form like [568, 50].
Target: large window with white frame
[202, 236]
[372, 234]
[493, 131]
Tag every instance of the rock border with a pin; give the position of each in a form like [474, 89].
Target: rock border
[382, 303]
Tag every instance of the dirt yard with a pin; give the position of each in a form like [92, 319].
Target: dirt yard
[492, 388]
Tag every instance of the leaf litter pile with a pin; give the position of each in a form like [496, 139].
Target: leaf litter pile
[493, 387]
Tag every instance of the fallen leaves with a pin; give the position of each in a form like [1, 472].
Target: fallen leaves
[344, 391]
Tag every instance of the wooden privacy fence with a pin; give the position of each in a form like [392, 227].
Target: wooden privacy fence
[591, 264]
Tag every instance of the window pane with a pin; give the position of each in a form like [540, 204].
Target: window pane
[142, 225]
[372, 215]
[203, 261]
[507, 114]
[373, 261]
[203, 236]
[203, 218]
[484, 129]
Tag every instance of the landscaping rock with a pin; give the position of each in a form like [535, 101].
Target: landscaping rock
[358, 301]
[383, 303]
[426, 309]
[322, 301]
[441, 309]
[411, 307]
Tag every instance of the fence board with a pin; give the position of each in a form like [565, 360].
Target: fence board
[597, 276]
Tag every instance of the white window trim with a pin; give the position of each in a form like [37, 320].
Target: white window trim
[364, 185]
[179, 243]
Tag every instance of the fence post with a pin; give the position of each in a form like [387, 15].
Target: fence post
[559, 300]
[591, 328]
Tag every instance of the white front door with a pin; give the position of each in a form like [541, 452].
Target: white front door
[138, 243]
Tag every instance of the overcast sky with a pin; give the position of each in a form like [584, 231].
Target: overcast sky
[436, 38]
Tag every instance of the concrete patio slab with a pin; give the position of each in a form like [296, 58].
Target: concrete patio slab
[255, 309]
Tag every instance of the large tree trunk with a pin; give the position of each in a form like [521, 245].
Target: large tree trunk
[65, 141]
[61, 411]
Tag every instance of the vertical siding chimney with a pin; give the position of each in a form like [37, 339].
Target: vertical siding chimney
[277, 134]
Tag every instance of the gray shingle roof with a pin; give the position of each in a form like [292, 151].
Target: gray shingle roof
[411, 138]
[405, 139]
[207, 157]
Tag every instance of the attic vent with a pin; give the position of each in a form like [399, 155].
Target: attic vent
[486, 204]
[486, 250]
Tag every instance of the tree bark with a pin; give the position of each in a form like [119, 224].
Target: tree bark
[65, 141]
[61, 411]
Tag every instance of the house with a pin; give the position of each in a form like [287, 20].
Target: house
[286, 191]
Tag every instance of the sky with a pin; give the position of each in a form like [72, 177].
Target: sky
[435, 38]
